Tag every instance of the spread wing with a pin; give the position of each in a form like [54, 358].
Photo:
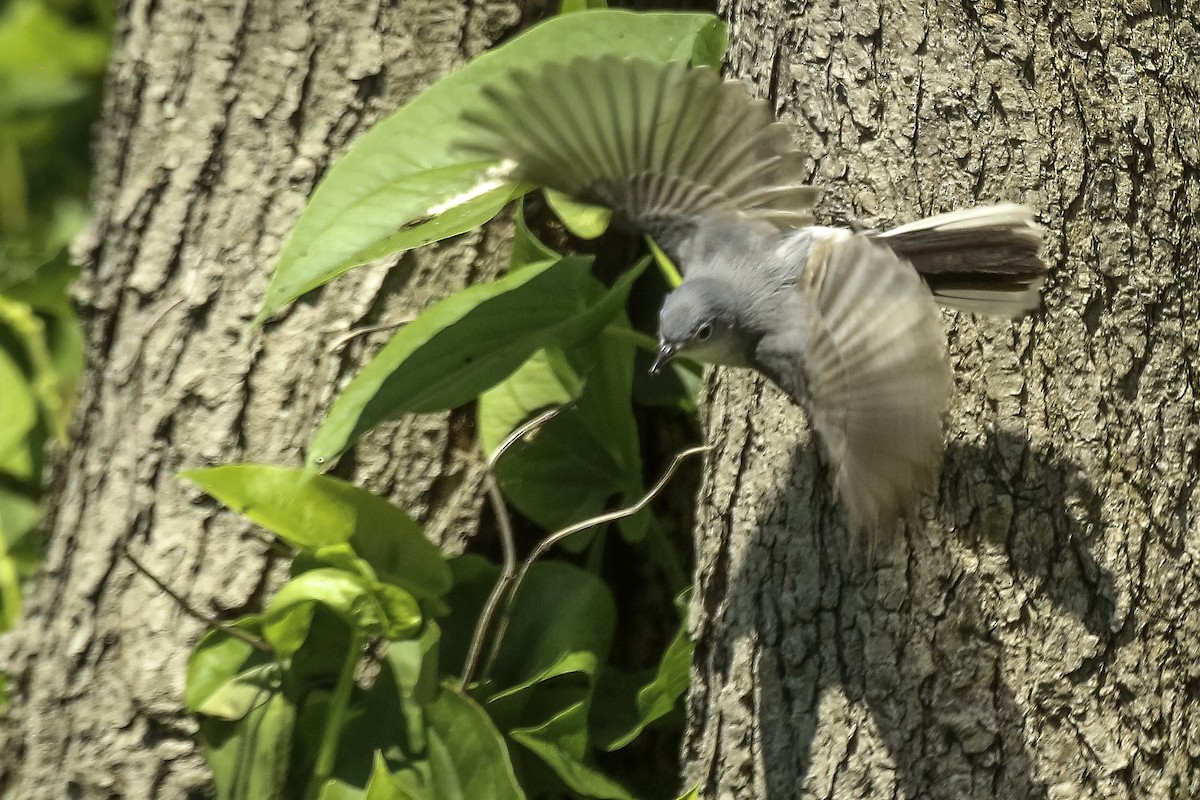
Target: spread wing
[866, 354]
[659, 143]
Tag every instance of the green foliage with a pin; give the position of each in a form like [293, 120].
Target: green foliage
[319, 514]
[468, 343]
[272, 687]
[403, 185]
[52, 55]
[381, 669]
[583, 220]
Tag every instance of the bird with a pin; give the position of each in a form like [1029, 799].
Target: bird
[844, 321]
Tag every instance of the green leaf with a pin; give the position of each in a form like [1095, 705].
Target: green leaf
[383, 787]
[414, 664]
[665, 265]
[562, 622]
[589, 453]
[414, 667]
[628, 709]
[708, 48]
[313, 511]
[18, 408]
[337, 789]
[546, 379]
[467, 753]
[33, 37]
[526, 248]
[380, 610]
[413, 780]
[40, 56]
[51, 345]
[237, 697]
[10, 592]
[51, 335]
[388, 719]
[676, 387]
[249, 758]
[556, 742]
[18, 516]
[393, 188]
[474, 577]
[425, 206]
[322, 656]
[582, 219]
[219, 660]
[20, 551]
[468, 343]
[400, 614]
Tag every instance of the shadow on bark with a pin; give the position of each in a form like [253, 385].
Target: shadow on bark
[913, 644]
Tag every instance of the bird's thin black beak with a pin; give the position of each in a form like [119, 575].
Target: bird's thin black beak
[665, 353]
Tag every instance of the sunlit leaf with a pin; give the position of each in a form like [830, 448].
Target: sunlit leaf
[414, 666]
[382, 610]
[435, 204]
[50, 389]
[468, 343]
[18, 516]
[236, 698]
[52, 337]
[383, 786]
[393, 188]
[18, 409]
[708, 48]
[40, 57]
[219, 659]
[312, 511]
[249, 758]
[584, 220]
[587, 455]
[546, 379]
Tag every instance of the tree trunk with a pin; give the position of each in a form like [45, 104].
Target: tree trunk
[219, 119]
[1036, 630]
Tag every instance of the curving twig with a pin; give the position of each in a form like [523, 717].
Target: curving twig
[570, 530]
[212, 622]
[354, 333]
[508, 547]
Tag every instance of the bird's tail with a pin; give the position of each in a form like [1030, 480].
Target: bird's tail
[986, 260]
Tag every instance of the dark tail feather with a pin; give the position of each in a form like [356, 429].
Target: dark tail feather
[986, 260]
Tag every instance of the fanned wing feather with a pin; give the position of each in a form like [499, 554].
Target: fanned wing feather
[661, 144]
[866, 354]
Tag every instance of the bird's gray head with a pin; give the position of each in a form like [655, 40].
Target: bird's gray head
[701, 320]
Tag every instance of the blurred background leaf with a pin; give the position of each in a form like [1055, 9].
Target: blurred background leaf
[53, 54]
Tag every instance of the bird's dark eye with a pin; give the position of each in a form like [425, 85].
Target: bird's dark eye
[703, 332]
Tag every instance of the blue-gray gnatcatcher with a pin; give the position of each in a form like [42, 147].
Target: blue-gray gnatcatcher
[846, 323]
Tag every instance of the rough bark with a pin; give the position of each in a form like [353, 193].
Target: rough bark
[219, 119]
[1036, 630]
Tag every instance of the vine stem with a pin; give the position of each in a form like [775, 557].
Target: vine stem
[212, 622]
[334, 722]
[571, 530]
[508, 545]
